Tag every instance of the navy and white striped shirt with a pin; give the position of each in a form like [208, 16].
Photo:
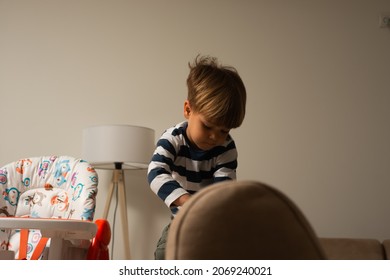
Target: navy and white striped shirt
[177, 167]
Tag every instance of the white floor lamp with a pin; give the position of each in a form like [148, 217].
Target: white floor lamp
[118, 148]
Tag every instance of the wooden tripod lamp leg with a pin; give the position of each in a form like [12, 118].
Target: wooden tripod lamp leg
[123, 208]
[114, 183]
[119, 183]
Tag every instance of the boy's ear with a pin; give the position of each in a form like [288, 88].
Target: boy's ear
[187, 109]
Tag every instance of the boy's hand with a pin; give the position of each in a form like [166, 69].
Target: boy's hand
[181, 200]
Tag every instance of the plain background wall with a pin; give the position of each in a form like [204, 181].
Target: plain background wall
[316, 72]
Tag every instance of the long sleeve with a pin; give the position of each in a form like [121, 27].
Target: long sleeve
[177, 168]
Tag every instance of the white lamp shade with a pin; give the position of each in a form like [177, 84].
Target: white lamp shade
[105, 145]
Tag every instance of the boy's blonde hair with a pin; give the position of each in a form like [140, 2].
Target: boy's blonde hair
[217, 92]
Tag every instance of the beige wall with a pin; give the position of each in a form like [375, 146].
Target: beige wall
[317, 76]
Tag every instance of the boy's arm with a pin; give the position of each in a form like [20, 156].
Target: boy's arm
[160, 176]
[227, 164]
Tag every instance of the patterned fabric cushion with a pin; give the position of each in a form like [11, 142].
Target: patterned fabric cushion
[46, 187]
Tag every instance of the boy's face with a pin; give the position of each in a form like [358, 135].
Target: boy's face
[203, 134]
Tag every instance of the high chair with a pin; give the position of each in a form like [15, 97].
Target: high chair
[47, 208]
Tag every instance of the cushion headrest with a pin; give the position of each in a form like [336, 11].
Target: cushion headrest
[241, 220]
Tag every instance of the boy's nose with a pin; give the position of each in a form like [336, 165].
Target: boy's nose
[212, 136]
[215, 138]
